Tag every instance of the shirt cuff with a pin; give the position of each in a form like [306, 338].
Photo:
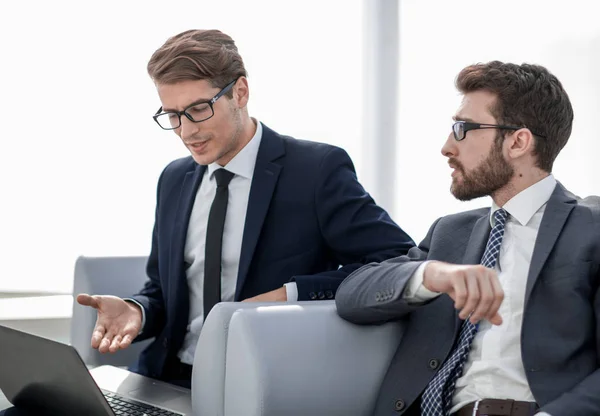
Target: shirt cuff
[291, 291]
[542, 414]
[415, 292]
[143, 312]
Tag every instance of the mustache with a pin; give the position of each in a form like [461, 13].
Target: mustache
[456, 164]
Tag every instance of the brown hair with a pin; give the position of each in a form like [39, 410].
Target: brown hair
[528, 96]
[196, 55]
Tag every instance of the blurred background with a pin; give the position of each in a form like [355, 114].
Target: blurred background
[80, 154]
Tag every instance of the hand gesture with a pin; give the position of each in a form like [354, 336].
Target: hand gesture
[117, 324]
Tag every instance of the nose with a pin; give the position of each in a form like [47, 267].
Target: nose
[188, 128]
[449, 149]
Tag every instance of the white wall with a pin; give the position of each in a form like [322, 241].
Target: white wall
[438, 39]
[80, 153]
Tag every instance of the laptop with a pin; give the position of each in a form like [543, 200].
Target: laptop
[49, 377]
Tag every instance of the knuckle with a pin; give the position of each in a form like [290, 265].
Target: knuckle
[481, 269]
[487, 297]
[458, 274]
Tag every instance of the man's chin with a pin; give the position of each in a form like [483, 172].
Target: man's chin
[204, 159]
[463, 194]
[467, 196]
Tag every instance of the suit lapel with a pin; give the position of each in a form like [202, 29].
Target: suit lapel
[187, 196]
[475, 248]
[557, 211]
[266, 174]
[478, 240]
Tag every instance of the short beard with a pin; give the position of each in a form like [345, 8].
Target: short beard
[491, 175]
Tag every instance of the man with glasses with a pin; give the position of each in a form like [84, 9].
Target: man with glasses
[252, 215]
[501, 304]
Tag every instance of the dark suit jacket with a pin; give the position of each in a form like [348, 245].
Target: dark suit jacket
[307, 216]
[560, 340]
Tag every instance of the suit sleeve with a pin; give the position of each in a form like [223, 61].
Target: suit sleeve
[374, 293]
[583, 398]
[356, 230]
[151, 296]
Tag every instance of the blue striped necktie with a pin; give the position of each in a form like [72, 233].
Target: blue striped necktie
[437, 397]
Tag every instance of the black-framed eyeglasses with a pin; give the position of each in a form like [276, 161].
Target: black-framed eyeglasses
[196, 112]
[460, 128]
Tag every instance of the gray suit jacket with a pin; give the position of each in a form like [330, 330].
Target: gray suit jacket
[561, 322]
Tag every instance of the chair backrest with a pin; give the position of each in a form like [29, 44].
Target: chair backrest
[303, 359]
[208, 374]
[118, 276]
[293, 359]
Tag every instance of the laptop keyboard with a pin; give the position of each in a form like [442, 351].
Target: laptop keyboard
[124, 406]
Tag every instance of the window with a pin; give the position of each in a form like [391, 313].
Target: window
[438, 39]
[73, 185]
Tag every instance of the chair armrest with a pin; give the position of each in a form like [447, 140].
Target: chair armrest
[208, 371]
[303, 359]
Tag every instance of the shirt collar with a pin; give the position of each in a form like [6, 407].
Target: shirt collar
[243, 163]
[526, 203]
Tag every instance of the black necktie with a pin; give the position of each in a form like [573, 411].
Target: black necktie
[214, 241]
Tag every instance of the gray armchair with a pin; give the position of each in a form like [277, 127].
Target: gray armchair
[256, 359]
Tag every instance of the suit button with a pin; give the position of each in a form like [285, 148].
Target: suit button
[312, 295]
[399, 405]
[165, 342]
[321, 295]
[434, 364]
[329, 294]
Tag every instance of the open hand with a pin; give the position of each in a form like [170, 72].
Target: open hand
[117, 324]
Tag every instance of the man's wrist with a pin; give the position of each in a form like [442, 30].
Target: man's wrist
[140, 308]
[428, 271]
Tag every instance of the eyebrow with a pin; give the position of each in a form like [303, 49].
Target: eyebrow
[459, 118]
[200, 101]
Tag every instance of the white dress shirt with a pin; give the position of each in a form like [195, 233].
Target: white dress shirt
[494, 368]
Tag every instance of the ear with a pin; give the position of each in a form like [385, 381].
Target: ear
[241, 92]
[520, 143]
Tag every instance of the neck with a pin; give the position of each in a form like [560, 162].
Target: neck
[248, 128]
[521, 180]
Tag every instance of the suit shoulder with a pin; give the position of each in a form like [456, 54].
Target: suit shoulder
[174, 172]
[309, 147]
[306, 151]
[184, 164]
[464, 218]
[471, 215]
[591, 203]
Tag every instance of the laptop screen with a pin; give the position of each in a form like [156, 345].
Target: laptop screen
[41, 374]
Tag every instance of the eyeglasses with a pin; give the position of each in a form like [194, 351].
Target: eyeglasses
[460, 128]
[196, 112]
